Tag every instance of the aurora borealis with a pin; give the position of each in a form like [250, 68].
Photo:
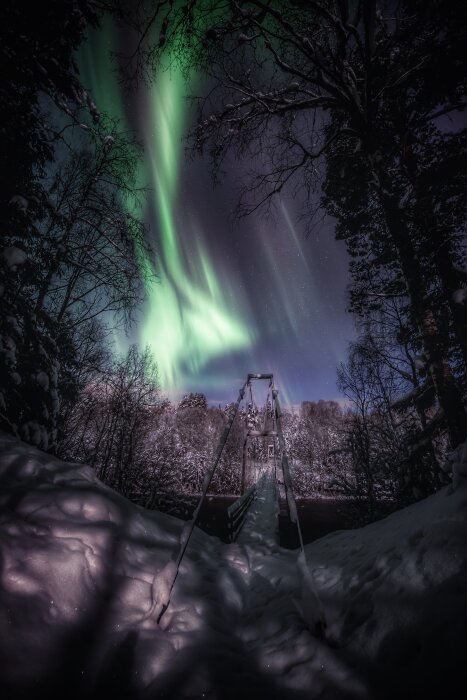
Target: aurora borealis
[188, 320]
[229, 299]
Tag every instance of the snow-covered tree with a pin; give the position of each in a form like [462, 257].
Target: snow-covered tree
[193, 400]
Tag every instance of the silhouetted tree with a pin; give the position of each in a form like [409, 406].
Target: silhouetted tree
[354, 89]
[69, 246]
[381, 436]
[110, 426]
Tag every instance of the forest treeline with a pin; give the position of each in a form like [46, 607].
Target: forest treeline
[155, 452]
[355, 107]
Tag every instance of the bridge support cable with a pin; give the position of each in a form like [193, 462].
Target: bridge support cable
[244, 460]
[289, 494]
[266, 501]
[319, 616]
[252, 412]
[274, 427]
[168, 575]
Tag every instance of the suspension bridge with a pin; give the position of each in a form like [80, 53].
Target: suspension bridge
[266, 484]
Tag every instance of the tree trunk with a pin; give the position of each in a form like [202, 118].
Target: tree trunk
[442, 256]
[449, 396]
[450, 283]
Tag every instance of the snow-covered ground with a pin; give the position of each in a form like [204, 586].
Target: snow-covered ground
[376, 612]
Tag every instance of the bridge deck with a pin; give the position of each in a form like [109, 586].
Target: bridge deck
[261, 523]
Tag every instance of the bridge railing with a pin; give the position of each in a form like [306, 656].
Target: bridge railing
[236, 513]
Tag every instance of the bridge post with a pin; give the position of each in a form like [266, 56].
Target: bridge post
[244, 458]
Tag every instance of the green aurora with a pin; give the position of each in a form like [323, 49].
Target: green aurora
[189, 317]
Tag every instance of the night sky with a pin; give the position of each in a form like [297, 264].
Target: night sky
[232, 297]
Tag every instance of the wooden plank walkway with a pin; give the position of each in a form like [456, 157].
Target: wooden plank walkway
[261, 523]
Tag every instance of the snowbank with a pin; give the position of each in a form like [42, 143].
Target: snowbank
[394, 595]
[74, 554]
[82, 570]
